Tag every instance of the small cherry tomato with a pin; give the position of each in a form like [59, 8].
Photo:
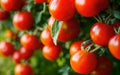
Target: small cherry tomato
[29, 41]
[10, 34]
[6, 48]
[46, 37]
[23, 69]
[83, 62]
[70, 29]
[25, 53]
[16, 57]
[101, 33]
[40, 1]
[62, 9]
[23, 20]
[90, 8]
[114, 46]
[104, 66]
[51, 52]
[75, 47]
[4, 15]
[12, 5]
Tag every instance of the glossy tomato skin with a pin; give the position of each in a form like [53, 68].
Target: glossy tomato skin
[23, 20]
[70, 29]
[25, 53]
[23, 69]
[114, 46]
[75, 47]
[4, 15]
[104, 66]
[46, 37]
[29, 41]
[51, 52]
[12, 5]
[40, 1]
[6, 48]
[61, 9]
[83, 62]
[16, 57]
[90, 8]
[101, 33]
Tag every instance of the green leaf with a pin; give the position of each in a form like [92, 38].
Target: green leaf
[55, 30]
[116, 14]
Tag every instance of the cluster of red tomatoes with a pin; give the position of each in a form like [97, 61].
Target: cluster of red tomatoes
[82, 61]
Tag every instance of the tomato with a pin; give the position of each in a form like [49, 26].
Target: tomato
[23, 20]
[90, 8]
[29, 41]
[10, 34]
[4, 15]
[75, 47]
[12, 5]
[23, 69]
[70, 27]
[16, 57]
[51, 52]
[116, 24]
[46, 37]
[101, 33]
[114, 46]
[25, 53]
[83, 62]
[62, 9]
[6, 48]
[40, 1]
[104, 66]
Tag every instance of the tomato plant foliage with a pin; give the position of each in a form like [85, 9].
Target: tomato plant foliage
[74, 21]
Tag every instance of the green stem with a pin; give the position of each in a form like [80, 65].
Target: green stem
[97, 48]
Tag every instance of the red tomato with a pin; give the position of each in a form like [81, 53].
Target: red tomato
[6, 48]
[46, 38]
[40, 1]
[23, 69]
[62, 9]
[4, 15]
[101, 33]
[23, 20]
[12, 5]
[75, 47]
[114, 46]
[83, 62]
[30, 42]
[70, 29]
[16, 57]
[51, 52]
[104, 67]
[25, 53]
[90, 8]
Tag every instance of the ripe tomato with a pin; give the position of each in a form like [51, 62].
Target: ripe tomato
[16, 57]
[23, 69]
[51, 52]
[75, 47]
[70, 27]
[30, 42]
[90, 8]
[104, 67]
[114, 46]
[101, 33]
[40, 1]
[12, 5]
[62, 9]
[83, 62]
[6, 48]
[46, 38]
[4, 15]
[25, 53]
[23, 20]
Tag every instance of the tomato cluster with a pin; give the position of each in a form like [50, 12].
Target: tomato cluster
[63, 26]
